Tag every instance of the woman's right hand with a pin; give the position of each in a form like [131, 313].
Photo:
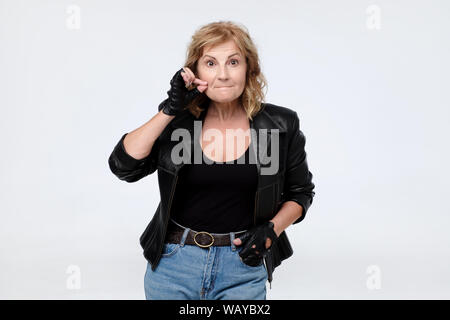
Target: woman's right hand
[179, 95]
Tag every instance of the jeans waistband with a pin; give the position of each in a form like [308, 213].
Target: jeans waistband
[186, 231]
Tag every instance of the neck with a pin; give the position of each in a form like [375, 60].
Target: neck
[225, 111]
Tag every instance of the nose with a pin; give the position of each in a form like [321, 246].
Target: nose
[222, 74]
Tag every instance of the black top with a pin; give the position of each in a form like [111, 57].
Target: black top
[217, 197]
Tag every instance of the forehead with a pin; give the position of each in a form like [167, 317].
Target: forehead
[227, 47]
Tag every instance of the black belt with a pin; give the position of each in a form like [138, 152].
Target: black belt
[202, 239]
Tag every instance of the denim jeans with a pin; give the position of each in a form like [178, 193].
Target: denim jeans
[189, 272]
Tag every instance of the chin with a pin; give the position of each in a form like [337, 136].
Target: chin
[222, 100]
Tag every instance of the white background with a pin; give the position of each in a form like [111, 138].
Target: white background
[373, 105]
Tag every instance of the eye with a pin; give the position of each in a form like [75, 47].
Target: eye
[207, 62]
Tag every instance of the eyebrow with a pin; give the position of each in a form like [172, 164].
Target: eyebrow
[206, 55]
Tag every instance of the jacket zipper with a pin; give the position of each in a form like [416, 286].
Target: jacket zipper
[168, 213]
[258, 166]
[256, 199]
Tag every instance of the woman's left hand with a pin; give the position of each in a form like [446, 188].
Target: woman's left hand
[256, 242]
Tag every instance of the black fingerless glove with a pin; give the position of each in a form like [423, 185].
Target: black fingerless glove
[179, 96]
[257, 236]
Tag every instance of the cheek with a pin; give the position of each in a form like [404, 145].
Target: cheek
[241, 77]
[205, 74]
[242, 81]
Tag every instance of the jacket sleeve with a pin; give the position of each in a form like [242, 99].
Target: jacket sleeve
[298, 185]
[129, 169]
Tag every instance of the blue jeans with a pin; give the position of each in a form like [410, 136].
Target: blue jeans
[189, 272]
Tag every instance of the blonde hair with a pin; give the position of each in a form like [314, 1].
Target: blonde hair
[217, 33]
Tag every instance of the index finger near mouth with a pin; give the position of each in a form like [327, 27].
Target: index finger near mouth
[201, 82]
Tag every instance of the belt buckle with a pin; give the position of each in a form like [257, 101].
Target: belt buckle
[204, 246]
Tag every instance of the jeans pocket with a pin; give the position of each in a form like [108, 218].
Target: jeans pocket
[170, 249]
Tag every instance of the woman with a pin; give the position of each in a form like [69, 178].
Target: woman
[218, 232]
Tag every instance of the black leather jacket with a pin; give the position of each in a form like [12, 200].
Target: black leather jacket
[292, 181]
